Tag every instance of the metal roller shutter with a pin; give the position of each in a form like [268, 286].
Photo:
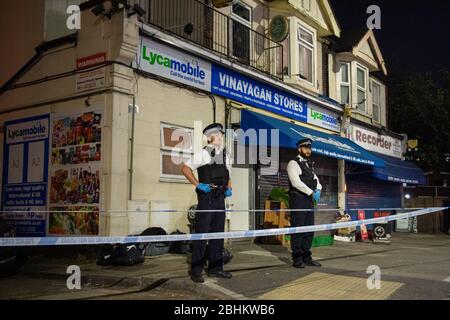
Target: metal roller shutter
[363, 192]
[366, 192]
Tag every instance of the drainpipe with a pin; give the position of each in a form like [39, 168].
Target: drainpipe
[213, 99]
[133, 112]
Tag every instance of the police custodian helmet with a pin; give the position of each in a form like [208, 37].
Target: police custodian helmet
[304, 143]
[214, 127]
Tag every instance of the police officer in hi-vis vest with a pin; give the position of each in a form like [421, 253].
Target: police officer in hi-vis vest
[304, 190]
[212, 187]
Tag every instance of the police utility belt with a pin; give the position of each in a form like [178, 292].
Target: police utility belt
[215, 190]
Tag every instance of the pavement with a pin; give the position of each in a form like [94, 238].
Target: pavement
[413, 266]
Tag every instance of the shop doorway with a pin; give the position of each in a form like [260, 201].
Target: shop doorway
[240, 178]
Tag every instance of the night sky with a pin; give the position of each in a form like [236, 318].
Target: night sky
[414, 35]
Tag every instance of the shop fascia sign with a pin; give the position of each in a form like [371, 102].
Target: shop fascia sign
[238, 87]
[172, 64]
[323, 120]
[371, 140]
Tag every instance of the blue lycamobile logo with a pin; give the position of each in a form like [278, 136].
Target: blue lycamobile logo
[172, 64]
[34, 130]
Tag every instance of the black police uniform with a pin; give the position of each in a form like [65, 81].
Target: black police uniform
[301, 242]
[215, 173]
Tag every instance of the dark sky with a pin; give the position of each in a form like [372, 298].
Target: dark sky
[414, 35]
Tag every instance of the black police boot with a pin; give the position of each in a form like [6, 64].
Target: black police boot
[219, 274]
[197, 278]
[298, 263]
[312, 263]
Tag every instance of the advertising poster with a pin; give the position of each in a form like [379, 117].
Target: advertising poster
[75, 174]
[25, 173]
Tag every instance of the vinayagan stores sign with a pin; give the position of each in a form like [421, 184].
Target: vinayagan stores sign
[371, 140]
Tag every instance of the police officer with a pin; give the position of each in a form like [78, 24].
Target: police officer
[304, 190]
[212, 187]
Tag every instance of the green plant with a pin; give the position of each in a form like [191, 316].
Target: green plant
[280, 194]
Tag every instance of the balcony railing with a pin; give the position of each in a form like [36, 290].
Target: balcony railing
[200, 23]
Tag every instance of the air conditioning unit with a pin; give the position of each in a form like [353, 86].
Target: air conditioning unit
[221, 3]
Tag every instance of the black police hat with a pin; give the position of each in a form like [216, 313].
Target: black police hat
[214, 127]
[304, 143]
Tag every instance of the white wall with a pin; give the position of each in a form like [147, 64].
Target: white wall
[162, 102]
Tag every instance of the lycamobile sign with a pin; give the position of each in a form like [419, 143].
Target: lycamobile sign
[27, 131]
[172, 64]
[323, 120]
[176, 66]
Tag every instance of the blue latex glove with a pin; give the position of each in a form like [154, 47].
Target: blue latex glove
[228, 192]
[206, 188]
[316, 196]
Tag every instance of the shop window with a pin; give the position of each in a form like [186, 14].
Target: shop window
[361, 87]
[176, 148]
[306, 54]
[345, 83]
[376, 99]
[240, 31]
[56, 18]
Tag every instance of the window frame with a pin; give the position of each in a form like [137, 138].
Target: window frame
[167, 150]
[308, 46]
[359, 88]
[238, 18]
[248, 24]
[167, 177]
[347, 84]
[165, 147]
[376, 84]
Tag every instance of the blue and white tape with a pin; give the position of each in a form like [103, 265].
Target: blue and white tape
[225, 210]
[60, 241]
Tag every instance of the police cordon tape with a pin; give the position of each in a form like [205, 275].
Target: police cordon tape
[215, 210]
[85, 240]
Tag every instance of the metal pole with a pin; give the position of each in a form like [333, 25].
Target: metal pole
[341, 163]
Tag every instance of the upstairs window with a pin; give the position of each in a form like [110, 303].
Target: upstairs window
[376, 99]
[306, 54]
[240, 31]
[345, 83]
[361, 87]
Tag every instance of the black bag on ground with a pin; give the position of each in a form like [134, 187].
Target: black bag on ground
[122, 254]
[130, 254]
[156, 248]
[105, 255]
[180, 247]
